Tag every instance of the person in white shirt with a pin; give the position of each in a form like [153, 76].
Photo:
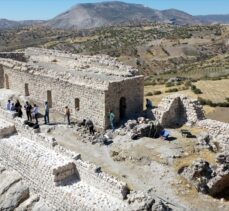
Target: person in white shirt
[8, 105]
[35, 111]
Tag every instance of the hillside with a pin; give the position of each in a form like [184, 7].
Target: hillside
[193, 51]
[223, 19]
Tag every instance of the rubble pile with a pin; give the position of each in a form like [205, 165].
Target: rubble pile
[141, 128]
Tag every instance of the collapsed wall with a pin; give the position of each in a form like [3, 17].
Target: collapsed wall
[214, 127]
[175, 110]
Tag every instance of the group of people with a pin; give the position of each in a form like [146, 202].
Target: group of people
[11, 106]
[33, 111]
[29, 109]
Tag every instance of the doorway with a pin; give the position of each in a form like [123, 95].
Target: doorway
[122, 108]
[26, 89]
[77, 104]
[7, 81]
[49, 98]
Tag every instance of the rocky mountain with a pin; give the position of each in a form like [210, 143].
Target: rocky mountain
[224, 19]
[93, 15]
[85, 16]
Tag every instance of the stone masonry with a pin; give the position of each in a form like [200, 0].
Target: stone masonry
[176, 110]
[89, 85]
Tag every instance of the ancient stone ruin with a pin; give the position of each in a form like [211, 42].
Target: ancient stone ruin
[84, 83]
[38, 173]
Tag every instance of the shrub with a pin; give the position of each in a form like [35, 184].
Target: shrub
[210, 103]
[149, 94]
[54, 60]
[197, 91]
[227, 99]
[172, 90]
[149, 83]
[157, 92]
[187, 83]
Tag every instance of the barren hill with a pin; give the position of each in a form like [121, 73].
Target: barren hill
[84, 16]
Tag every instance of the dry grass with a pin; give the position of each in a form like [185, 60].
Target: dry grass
[216, 91]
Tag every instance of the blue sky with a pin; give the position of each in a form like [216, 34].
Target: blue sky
[46, 9]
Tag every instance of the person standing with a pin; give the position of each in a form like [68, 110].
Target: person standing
[67, 114]
[20, 112]
[8, 105]
[46, 113]
[12, 107]
[28, 108]
[17, 105]
[90, 126]
[35, 111]
[112, 120]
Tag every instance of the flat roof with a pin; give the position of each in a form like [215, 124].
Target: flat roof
[92, 71]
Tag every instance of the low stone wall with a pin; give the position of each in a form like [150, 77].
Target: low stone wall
[214, 127]
[6, 128]
[42, 164]
[9, 115]
[88, 172]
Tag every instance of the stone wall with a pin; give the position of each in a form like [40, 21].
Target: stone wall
[94, 98]
[52, 176]
[65, 183]
[13, 55]
[9, 115]
[88, 172]
[214, 127]
[91, 105]
[6, 128]
[175, 110]
[133, 93]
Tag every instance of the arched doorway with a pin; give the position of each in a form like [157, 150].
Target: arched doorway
[122, 108]
[7, 81]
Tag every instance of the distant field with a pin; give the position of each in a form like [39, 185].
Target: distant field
[216, 91]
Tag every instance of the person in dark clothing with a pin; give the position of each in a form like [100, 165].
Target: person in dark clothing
[67, 114]
[90, 126]
[149, 104]
[20, 112]
[17, 105]
[28, 108]
[46, 113]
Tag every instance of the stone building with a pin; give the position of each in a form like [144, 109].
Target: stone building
[89, 85]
